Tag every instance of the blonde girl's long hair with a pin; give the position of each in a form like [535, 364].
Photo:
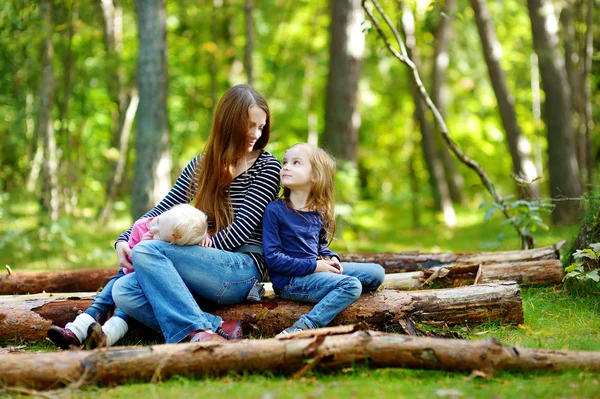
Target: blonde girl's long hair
[225, 146]
[322, 193]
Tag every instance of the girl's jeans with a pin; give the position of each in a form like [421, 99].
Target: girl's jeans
[103, 303]
[159, 293]
[332, 292]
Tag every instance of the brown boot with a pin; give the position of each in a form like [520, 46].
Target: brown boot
[63, 337]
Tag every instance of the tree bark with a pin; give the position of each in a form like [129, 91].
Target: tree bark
[50, 187]
[119, 171]
[327, 348]
[521, 266]
[538, 272]
[564, 172]
[441, 59]
[411, 261]
[28, 318]
[439, 186]
[518, 144]
[346, 47]
[248, 65]
[588, 50]
[153, 156]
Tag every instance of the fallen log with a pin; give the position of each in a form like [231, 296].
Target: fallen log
[88, 280]
[531, 273]
[27, 318]
[536, 272]
[327, 348]
[412, 261]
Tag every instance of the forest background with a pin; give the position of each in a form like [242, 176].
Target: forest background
[77, 165]
[103, 103]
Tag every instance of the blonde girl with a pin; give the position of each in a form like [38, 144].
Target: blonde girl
[297, 231]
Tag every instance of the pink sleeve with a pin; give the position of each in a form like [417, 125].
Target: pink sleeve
[137, 231]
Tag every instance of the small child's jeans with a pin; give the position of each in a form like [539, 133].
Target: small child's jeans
[332, 292]
[103, 304]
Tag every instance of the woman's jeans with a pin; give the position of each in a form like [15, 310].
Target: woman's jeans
[159, 293]
[103, 303]
[332, 292]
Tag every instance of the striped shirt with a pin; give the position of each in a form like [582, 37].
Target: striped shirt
[250, 194]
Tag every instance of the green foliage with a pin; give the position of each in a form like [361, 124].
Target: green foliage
[585, 268]
[528, 214]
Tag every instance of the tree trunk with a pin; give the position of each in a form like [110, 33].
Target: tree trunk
[588, 51]
[248, 65]
[518, 144]
[441, 58]
[452, 275]
[126, 105]
[569, 38]
[327, 348]
[437, 180]
[28, 318]
[119, 171]
[564, 173]
[50, 190]
[346, 46]
[153, 156]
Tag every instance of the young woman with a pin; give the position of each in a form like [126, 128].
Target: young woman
[297, 231]
[232, 182]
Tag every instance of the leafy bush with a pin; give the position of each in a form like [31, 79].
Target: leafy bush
[586, 267]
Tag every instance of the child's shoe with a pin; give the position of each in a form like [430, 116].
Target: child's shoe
[289, 330]
[96, 337]
[63, 337]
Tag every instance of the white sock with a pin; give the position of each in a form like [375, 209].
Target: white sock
[114, 328]
[80, 325]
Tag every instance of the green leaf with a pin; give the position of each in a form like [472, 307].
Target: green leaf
[489, 213]
[585, 253]
[573, 266]
[594, 275]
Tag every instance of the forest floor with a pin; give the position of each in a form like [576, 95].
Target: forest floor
[554, 318]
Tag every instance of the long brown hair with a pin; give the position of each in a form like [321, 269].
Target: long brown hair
[225, 146]
[322, 191]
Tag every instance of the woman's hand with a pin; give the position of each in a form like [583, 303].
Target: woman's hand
[327, 266]
[124, 254]
[206, 241]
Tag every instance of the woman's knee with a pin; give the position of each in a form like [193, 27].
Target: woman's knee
[142, 252]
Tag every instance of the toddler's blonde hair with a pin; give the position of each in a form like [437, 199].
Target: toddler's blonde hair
[189, 226]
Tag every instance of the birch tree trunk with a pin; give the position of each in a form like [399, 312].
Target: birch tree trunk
[327, 348]
[439, 94]
[564, 172]
[518, 144]
[50, 188]
[439, 186]
[153, 156]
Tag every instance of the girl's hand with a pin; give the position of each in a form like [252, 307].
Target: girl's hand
[327, 266]
[206, 241]
[336, 263]
[124, 254]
